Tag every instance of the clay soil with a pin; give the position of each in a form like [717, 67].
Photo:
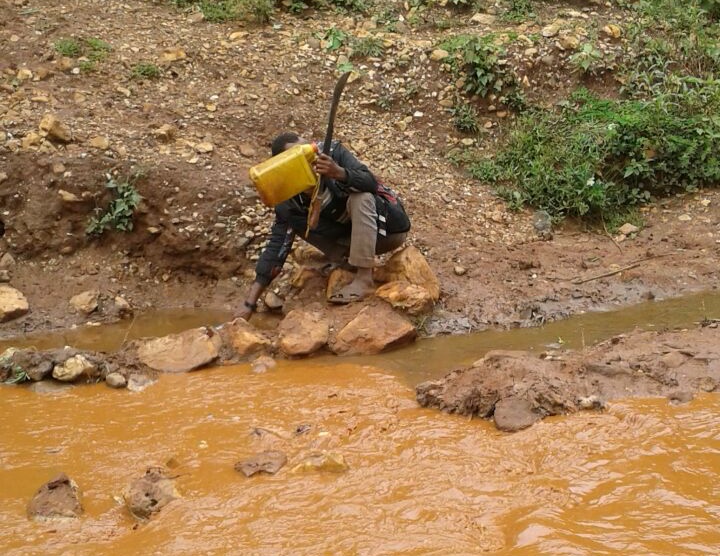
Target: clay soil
[224, 91]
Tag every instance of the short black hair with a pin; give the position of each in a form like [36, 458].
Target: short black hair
[278, 144]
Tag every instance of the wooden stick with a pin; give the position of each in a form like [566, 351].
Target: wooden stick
[619, 270]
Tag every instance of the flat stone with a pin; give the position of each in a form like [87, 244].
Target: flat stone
[12, 304]
[58, 498]
[269, 462]
[332, 462]
[244, 339]
[303, 332]
[179, 353]
[373, 330]
[514, 414]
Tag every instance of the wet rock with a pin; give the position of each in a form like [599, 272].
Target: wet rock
[407, 297]
[243, 339]
[680, 397]
[179, 353]
[86, 302]
[150, 493]
[514, 414]
[409, 265]
[12, 304]
[54, 129]
[51, 387]
[332, 462]
[303, 332]
[673, 360]
[265, 462]
[273, 301]
[591, 402]
[41, 371]
[123, 309]
[73, 368]
[138, 382]
[58, 498]
[262, 364]
[374, 330]
[116, 380]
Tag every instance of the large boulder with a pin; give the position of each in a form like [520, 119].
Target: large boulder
[303, 332]
[243, 339]
[150, 493]
[373, 330]
[12, 304]
[407, 297]
[409, 265]
[59, 497]
[178, 353]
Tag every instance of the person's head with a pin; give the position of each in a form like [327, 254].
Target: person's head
[284, 141]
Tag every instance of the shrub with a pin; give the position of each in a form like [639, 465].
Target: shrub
[120, 211]
[145, 70]
[478, 60]
[465, 117]
[367, 47]
[600, 157]
[68, 47]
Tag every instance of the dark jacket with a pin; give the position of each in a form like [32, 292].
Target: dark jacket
[291, 215]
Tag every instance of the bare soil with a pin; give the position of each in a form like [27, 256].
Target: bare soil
[224, 92]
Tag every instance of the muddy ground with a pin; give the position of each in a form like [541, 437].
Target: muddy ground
[224, 91]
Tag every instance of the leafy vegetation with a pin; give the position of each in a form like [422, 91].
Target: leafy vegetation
[16, 373]
[218, 11]
[70, 48]
[465, 117]
[334, 38]
[599, 157]
[478, 60]
[94, 50]
[120, 211]
[145, 70]
[518, 11]
[367, 47]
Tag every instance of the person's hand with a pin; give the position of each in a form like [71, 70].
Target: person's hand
[244, 313]
[326, 166]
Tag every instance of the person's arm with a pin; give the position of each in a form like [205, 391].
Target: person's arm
[269, 265]
[346, 170]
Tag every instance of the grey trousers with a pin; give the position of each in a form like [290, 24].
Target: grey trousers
[363, 244]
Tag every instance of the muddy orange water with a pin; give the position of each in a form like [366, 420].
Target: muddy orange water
[641, 478]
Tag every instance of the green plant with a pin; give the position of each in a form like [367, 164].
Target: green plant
[350, 5]
[518, 11]
[594, 157]
[120, 211]
[17, 373]
[465, 117]
[296, 6]
[145, 70]
[589, 60]
[334, 38]
[479, 61]
[218, 11]
[367, 47]
[345, 67]
[68, 47]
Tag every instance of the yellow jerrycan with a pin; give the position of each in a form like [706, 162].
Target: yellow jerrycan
[286, 174]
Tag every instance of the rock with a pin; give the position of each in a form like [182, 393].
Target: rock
[4, 275]
[244, 339]
[248, 151]
[122, 307]
[338, 279]
[138, 382]
[116, 380]
[627, 229]
[322, 461]
[165, 133]
[150, 493]
[179, 353]
[684, 218]
[86, 302]
[374, 330]
[568, 42]
[550, 30]
[514, 414]
[73, 368]
[31, 139]
[204, 147]
[483, 19]
[173, 55]
[7, 261]
[407, 297]
[262, 363]
[613, 31]
[54, 129]
[680, 397]
[12, 304]
[303, 332]
[439, 54]
[273, 301]
[3, 176]
[58, 498]
[409, 265]
[99, 142]
[265, 462]
[67, 197]
[40, 371]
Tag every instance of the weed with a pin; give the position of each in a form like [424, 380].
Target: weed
[351, 5]
[345, 67]
[18, 374]
[465, 117]
[598, 157]
[590, 60]
[296, 6]
[69, 48]
[478, 60]
[145, 70]
[218, 11]
[385, 101]
[367, 47]
[519, 11]
[334, 38]
[120, 211]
